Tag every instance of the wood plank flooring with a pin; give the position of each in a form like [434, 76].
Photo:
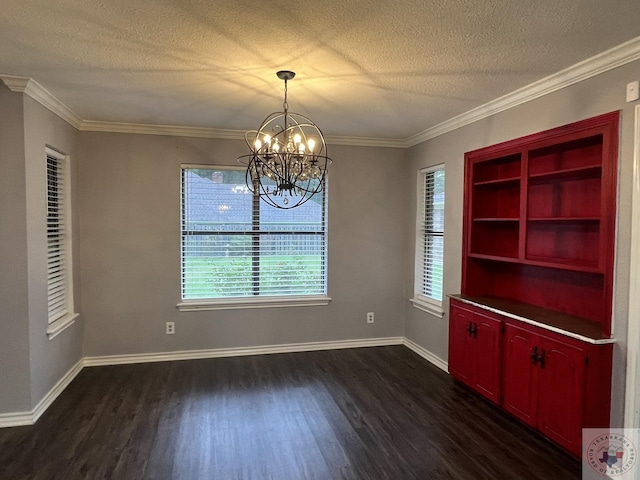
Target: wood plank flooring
[368, 413]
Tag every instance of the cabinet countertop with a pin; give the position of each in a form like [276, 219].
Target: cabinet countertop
[571, 326]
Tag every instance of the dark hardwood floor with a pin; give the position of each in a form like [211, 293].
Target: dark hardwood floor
[369, 413]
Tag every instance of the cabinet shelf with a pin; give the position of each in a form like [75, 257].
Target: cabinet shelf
[496, 238]
[494, 258]
[547, 262]
[492, 202]
[498, 170]
[563, 264]
[578, 173]
[569, 244]
[498, 182]
[496, 219]
[565, 220]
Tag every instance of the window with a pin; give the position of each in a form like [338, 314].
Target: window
[59, 269]
[239, 252]
[429, 240]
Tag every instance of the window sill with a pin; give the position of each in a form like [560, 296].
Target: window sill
[428, 307]
[60, 325]
[244, 303]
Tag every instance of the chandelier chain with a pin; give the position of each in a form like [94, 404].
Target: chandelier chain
[285, 104]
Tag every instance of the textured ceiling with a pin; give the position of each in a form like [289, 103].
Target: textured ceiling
[372, 68]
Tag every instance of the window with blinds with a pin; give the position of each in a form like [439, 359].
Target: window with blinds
[430, 236]
[58, 238]
[236, 246]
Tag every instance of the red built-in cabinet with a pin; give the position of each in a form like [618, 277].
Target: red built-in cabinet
[537, 277]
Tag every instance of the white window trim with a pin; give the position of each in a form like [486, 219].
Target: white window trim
[244, 303]
[422, 302]
[60, 324]
[240, 303]
[428, 305]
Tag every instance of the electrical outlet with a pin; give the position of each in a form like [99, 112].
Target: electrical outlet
[171, 328]
[370, 317]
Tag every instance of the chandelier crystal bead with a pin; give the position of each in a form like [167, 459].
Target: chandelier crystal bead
[288, 161]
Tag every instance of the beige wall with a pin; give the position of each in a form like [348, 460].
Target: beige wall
[14, 308]
[31, 364]
[601, 94]
[129, 202]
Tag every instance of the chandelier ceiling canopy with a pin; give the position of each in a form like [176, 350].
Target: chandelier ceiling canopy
[288, 161]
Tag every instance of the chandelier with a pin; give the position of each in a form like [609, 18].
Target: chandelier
[288, 158]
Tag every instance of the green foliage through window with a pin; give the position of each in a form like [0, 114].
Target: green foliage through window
[235, 246]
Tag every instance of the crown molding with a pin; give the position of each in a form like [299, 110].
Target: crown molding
[148, 129]
[203, 132]
[15, 84]
[603, 62]
[41, 95]
[367, 142]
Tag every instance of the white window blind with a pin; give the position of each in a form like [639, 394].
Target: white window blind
[430, 235]
[57, 238]
[235, 246]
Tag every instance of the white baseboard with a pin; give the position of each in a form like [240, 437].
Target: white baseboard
[427, 355]
[57, 389]
[17, 419]
[29, 418]
[237, 352]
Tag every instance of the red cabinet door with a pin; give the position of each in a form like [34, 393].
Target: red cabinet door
[561, 393]
[460, 355]
[474, 351]
[486, 357]
[519, 374]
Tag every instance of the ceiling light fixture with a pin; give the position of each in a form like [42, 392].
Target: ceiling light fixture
[288, 160]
